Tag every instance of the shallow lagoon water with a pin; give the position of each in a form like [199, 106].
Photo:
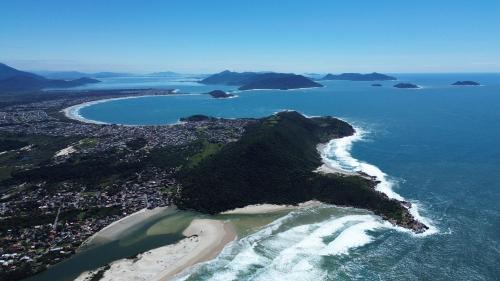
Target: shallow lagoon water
[438, 145]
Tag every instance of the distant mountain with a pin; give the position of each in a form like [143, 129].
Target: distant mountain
[9, 72]
[466, 83]
[257, 80]
[230, 78]
[70, 75]
[12, 79]
[163, 74]
[64, 75]
[359, 77]
[110, 74]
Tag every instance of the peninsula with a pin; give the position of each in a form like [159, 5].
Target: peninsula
[261, 80]
[274, 162]
[359, 77]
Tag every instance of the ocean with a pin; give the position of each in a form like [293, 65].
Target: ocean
[437, 147]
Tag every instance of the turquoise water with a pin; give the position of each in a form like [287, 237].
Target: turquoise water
[438, 146]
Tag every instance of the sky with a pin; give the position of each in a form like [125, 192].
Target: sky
[202, 36]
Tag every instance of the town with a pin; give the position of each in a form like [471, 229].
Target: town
[48, 209]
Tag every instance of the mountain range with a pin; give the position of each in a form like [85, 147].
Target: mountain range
[15, 80]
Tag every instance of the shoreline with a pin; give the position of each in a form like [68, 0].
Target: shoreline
[205, 239]
[73, 112]
[116, 229]
[269, 208]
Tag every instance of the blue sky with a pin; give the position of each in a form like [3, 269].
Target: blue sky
[294, 36]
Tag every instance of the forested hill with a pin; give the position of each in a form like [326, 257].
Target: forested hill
[274, 162]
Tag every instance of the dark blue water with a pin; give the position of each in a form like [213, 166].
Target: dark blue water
[440, 145]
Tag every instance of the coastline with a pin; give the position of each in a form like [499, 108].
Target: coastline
[114, 230]
[269, 208]
[73, 112]
[205, 239]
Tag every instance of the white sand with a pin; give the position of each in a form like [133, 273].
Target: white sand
[205, 240]
[268, 208]
[65, 151]
[114, 230]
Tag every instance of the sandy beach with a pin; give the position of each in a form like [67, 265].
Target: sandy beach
[114, 230]
[268, 208]
[205, 239]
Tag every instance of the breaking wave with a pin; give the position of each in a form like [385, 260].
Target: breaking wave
[337, 154]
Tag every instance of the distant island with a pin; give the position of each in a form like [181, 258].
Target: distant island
[274, 162]
[15, 80]
[218, 94]
[376, 85]
[359, 77]
[406, 86]
[466, 83]
[196, 118]
[256, 80]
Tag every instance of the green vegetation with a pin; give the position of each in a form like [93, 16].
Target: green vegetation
[39, 151]
[206, 151]
[274, 162]
[9, 144]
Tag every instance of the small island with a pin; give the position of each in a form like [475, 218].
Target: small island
[406, 86]
[218, 94]
[196, 118]
[359, 77]
[260, 80]
[376, 85]
[466, 83]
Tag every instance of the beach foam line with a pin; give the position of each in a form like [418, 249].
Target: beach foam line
[73, 112]
[205, 239]
[296, 253]
[336, 155]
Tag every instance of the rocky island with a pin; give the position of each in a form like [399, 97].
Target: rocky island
[258, 80]
[466, 83]
[376, 85]
[406, 86]
[218, 94]
[359, 77]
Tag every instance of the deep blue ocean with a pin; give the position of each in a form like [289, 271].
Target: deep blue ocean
[438, 147]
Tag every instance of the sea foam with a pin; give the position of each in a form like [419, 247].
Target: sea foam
[281, 251]
[337, 154]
